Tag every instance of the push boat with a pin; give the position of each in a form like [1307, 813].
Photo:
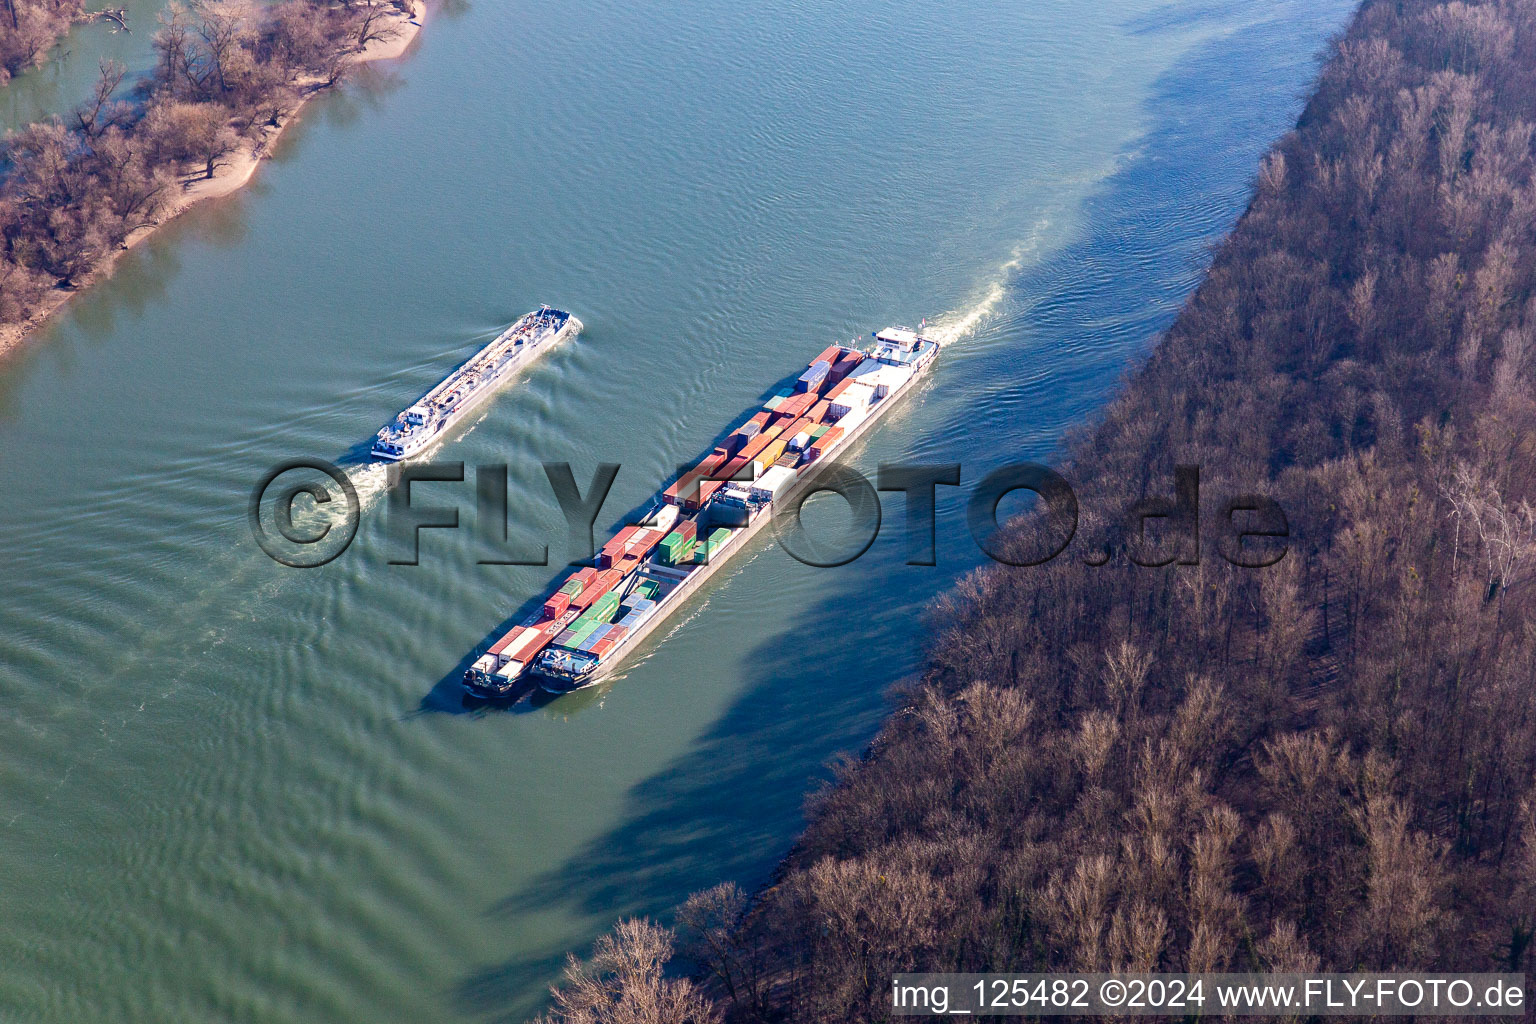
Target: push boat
[597, 615]
[431, 416]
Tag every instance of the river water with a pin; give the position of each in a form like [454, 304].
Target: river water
[231, 790]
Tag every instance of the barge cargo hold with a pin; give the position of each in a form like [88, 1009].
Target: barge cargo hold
[597, 615]
[431, 416]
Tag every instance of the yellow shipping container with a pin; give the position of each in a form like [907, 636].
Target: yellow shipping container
[769, 455]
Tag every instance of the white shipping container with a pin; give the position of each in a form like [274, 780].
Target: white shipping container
[883, 377]
[771, 482]
[855, 398]
[523, 642]
[663, 519]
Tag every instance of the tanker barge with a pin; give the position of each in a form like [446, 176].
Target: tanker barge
[599, 614]
[430, 417]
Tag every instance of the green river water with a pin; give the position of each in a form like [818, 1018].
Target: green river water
[233, 791]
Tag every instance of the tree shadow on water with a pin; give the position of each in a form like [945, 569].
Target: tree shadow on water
[730, 807]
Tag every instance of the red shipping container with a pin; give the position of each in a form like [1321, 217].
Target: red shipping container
[614, 549]
[676, 489]
[602, 647]
[818, 413]
[842, 368]
[796, 405]
[616, 633]
[617, 541]
[688, 529]
[829, 356]
[707, 489]
[599, 585]
[584, 574]
[761, 419]
[729, 471]
[643, 543]
[800, 426]
[556, 605]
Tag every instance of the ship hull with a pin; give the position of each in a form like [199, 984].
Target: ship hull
[423, 441]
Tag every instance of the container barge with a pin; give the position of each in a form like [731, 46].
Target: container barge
[599, 614]
[430, 417]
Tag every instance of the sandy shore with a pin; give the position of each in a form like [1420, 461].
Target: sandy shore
[230, 176]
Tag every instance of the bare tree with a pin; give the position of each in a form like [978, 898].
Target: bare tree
[623, 983]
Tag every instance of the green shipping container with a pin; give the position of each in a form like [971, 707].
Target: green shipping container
[681, 555]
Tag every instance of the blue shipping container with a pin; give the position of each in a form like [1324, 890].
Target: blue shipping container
[811, 379]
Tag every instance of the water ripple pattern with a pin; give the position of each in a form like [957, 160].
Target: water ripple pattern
[236, 791]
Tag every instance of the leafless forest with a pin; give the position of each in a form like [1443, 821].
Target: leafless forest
[1329, 763]
[29, 27]
[72, 190]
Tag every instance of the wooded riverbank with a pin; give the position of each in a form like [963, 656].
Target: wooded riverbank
[1323, 764]
[228, 81]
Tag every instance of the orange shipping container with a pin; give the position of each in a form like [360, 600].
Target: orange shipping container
[825, 441]
[756, 445]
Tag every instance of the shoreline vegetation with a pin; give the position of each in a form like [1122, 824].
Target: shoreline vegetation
[30, 28]
[1326, 764]
[230, 77]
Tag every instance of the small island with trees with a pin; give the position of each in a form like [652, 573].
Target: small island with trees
[228, 77]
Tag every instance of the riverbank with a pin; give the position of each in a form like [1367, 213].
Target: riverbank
[231, 174]
[33, 28]
[1310, 749]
